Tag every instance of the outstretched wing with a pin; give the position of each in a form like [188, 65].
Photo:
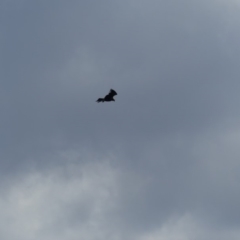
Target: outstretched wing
[100, 100]
[112, 93]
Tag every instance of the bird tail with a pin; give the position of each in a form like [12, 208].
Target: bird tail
[100, 100]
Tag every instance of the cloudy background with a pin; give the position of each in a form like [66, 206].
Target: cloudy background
[160, 163]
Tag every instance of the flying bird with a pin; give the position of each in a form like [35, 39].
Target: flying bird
[109, 97]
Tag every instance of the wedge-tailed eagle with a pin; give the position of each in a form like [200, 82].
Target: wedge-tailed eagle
[109, 97]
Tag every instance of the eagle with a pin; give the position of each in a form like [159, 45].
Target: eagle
[109, 97]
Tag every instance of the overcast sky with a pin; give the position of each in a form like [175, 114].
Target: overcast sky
[160, 163]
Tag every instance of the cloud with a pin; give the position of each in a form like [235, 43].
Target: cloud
[71, 200]
[186, 227]
[161, 162]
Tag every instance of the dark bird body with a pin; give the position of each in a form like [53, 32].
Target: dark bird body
[109, 97]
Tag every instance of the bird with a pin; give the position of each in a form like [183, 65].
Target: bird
[108, 97]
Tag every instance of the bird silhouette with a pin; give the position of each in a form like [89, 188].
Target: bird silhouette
[109, 97]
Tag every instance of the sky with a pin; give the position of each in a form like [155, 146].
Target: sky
[162, 162]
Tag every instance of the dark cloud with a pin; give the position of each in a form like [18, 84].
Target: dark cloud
[165, 153]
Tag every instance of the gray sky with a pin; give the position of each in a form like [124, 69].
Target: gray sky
[160, 163]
